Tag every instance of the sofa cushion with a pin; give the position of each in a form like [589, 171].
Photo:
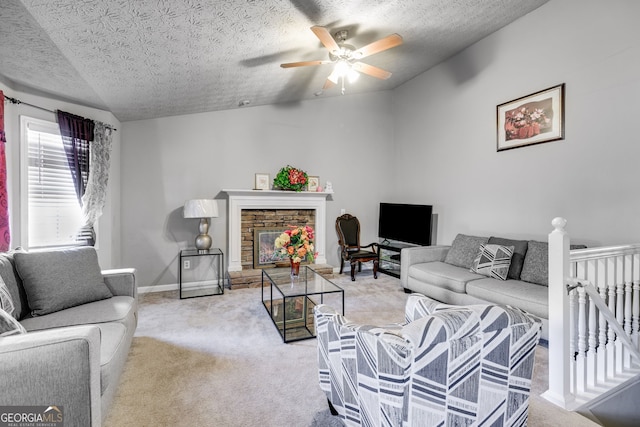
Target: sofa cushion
[444, 275]
[536, 264]
[112, 339]
[493, 261]
[9, 325]
[14, 284]
[527, 296]
[60, 279]
[6, 301]
[464, 250]
[519, 252]
[115, 309]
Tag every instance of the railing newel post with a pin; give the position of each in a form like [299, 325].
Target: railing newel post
[559, 391]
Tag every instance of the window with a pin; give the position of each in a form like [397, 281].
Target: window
[51, 214]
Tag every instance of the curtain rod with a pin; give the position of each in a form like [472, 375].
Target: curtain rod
[17, 101]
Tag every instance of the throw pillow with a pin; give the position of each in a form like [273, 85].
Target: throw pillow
[9, 325]
[11, 278]
[493, 261]
[6, 302]
[536, 264]
[56, 280]
[464, 250]
[519, 252]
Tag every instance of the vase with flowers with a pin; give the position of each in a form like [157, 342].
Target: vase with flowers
[297, 244]
[290, 178]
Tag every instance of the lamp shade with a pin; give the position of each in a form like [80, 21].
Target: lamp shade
[200, 208]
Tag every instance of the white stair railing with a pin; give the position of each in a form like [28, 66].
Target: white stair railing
[594, 317]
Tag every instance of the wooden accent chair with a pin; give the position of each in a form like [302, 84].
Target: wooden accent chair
[348, 229]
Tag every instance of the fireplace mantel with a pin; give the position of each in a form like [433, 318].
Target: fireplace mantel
[273, 199]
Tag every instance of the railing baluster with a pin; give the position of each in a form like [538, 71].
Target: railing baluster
[592, 271]
[573, 339]
[602, 322]
[611, 301]
[620, 319]
[628, 289]
[582, 341]
[635, 312]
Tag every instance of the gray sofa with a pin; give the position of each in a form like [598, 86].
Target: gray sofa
[76, 325]
[445, 274]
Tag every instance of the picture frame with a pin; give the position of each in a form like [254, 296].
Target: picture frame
[314, 183]
[262, 181]
[531, 119]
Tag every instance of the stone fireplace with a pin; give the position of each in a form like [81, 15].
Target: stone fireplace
[253, 219]
[241, 201]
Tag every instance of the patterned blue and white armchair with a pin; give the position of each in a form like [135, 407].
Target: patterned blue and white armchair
[449, 365]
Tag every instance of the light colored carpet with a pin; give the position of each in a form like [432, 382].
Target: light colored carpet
[219, 361]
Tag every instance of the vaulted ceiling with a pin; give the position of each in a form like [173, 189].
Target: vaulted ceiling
[153, 58]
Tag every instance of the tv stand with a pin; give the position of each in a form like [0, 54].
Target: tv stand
[389, 257]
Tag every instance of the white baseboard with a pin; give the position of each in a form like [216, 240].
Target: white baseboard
[158, 288]
[175, 287]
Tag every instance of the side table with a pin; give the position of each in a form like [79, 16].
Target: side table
[200, 273]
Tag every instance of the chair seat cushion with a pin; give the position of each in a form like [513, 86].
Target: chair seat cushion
[361, 255]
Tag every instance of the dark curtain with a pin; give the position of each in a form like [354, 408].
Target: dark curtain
[76, 134]
[5, 235]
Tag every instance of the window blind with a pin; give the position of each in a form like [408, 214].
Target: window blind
[53, 210]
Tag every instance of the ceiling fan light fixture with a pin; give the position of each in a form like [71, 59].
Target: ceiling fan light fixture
[342, 68]
[353, 75]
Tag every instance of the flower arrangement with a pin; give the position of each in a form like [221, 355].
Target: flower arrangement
[290, 178]
[525, 122]
[297, 244]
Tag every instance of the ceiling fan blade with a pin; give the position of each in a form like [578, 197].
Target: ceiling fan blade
[325, 38]
[371, 70]
[334, 76]
[378, 46]
[328, 84]
[303, 63]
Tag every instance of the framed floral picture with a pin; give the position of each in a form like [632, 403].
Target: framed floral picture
[314, 182]
[262, 181]
[532, 119]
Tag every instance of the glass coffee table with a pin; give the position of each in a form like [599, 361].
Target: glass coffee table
[290, 301]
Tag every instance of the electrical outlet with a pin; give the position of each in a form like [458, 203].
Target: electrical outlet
[186, 264]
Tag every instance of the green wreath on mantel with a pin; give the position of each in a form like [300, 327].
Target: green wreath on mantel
[290, 178]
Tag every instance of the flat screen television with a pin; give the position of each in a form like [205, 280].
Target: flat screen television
[405, 223]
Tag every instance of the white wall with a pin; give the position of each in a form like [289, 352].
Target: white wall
[108, 246]
[445, 129]
[345, 140]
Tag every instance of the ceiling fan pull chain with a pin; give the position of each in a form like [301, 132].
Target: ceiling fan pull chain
[343, 85]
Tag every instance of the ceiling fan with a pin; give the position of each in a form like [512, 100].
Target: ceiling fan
[347, 58]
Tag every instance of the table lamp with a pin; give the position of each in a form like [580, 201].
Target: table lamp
[203, 209]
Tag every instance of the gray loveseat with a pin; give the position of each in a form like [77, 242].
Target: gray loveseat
[79, 325]
[444, 273]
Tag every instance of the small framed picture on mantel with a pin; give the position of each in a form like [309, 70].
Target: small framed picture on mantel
[532, 119]
[314, 182]
[262, 181]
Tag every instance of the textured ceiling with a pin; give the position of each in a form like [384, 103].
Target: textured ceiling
[155, 58]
